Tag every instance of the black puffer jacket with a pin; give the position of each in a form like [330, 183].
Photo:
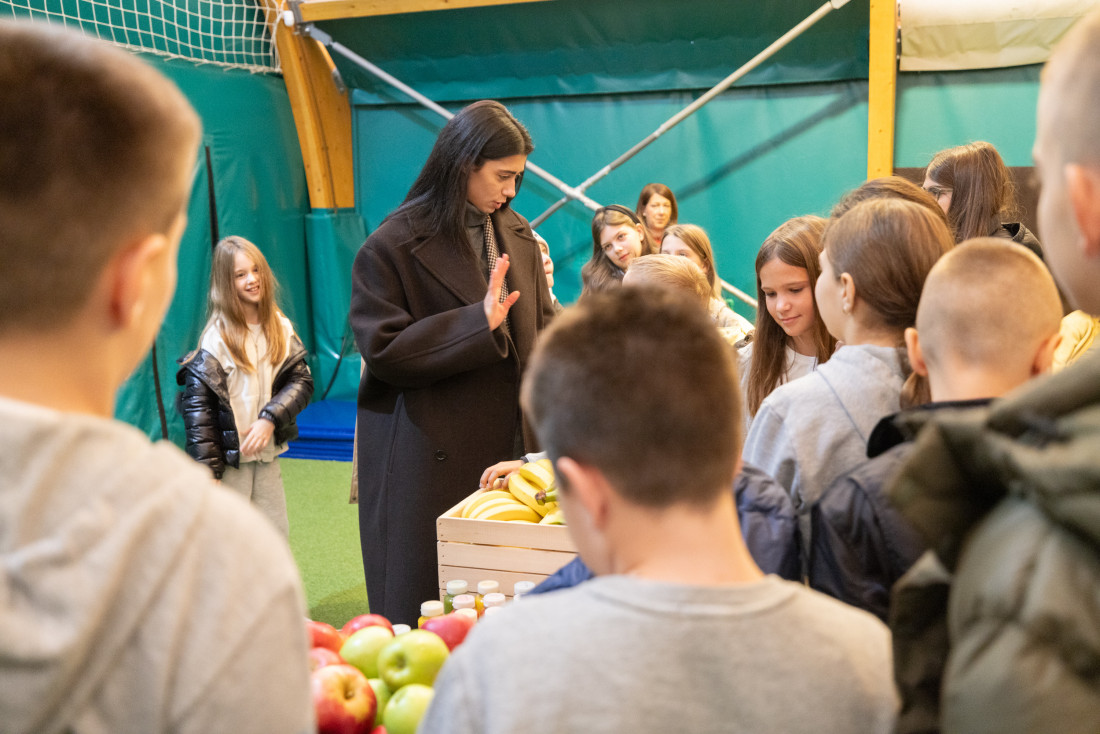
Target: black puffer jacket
[208, 418]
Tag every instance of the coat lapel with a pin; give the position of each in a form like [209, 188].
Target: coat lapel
[460, 275]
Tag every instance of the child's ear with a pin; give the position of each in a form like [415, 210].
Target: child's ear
[130, 279]
[916, 356]
[1044, 356]
[1083, 187]
[587, 487]
[847, 293]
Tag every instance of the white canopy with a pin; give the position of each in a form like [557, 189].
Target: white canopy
[941, 35]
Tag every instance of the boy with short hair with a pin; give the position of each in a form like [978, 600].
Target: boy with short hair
[987, 323]
[679, 631]
[1009, 496]
[137, 595]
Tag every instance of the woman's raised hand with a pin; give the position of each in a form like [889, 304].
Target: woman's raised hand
[495, 310]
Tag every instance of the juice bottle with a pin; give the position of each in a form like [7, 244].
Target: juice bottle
[494, 600]
[454, 588]
[483, 588]
[521, 588]
[469, 612]
[465, 601]
[429, 609]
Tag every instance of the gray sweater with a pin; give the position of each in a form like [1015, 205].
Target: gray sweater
[621, 654]
[137, 595]
[813, 430]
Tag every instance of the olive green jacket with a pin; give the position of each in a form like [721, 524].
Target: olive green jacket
[998, 628]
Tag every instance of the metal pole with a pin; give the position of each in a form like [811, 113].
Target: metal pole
[325, 39]
[713, 92]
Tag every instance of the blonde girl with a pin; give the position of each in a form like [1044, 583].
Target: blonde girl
[618, 238]
[691, 241]
[246, 383]
[790, 340]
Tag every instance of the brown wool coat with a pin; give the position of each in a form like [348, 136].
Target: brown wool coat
[439, 398]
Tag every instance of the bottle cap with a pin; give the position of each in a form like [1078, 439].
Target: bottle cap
[487, 587]
[463, 601]
[495, 599]
[468, 612]
[456, 587]
[433, 608]
[491, 610]
[522, 587]
[400, 629]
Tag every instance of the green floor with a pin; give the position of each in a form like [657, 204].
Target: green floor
[324, 537]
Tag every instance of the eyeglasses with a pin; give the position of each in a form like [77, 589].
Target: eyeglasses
[937, 191]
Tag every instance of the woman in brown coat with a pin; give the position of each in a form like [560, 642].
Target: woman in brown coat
[444, 347]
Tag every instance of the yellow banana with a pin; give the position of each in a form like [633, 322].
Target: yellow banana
[546, 464]
[537, 475]
[525, 492]
[481, 499]
[507, 510]
[508, 501]
[554, 517]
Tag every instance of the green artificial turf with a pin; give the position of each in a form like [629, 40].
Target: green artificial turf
[324, 538]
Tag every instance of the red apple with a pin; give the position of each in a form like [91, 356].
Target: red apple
[343, 700]
[452, 628]
[322, 634]
[414, 657]
[364, 620]
[407, 708]
[319, 657]
[378, 730]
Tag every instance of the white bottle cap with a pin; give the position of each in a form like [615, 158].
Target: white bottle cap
[431, 608]
[494, 599]
[522, 587]
[487, 587]
[491, 610]
[400, 629]
[468, 613]
[463, 601]
[456, 587]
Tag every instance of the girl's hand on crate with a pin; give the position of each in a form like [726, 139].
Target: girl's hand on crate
[497, 475]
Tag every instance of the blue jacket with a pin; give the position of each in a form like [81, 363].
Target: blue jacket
[768, 523]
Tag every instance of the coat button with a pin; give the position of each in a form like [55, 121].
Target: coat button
[440, 455]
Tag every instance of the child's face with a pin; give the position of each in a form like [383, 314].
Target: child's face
[788, 296]
[672, 245]
[941, 194]
[657, 212]
[246, 279]
[547, 263]
[622, 243]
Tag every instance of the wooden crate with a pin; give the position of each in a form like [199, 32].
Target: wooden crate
[479, 550]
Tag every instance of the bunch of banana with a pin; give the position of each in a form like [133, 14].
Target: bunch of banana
[532, 484]
[499, 505]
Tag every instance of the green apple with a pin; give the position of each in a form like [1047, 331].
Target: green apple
[414, 657]
[406, 709]
[382, 695]
[362, 648]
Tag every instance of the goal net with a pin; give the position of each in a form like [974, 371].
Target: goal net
[229, 33]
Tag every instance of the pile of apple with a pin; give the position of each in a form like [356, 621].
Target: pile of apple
[366, 680]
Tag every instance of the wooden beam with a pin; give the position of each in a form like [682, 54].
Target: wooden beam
[882, 74]
[322, 116]
[317, 10]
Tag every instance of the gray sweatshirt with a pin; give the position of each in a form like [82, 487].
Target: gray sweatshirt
[812, 430]
[136, 595]
[622, 654]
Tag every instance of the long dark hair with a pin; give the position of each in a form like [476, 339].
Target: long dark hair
[796, 242]
[481, 131]
[983, 194]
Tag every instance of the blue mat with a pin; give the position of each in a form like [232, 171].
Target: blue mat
[326, 432]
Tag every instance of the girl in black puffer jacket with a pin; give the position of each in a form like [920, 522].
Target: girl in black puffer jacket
[247, 381]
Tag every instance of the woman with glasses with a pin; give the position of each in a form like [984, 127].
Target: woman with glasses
[974, 187]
